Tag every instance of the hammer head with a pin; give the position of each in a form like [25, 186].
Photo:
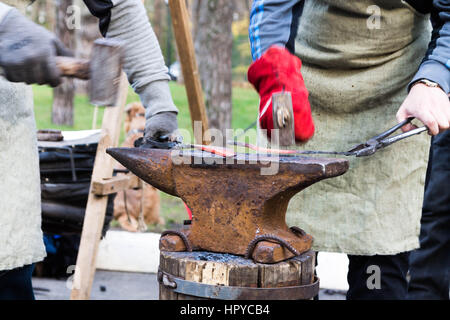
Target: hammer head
[283, 118]
[105, 72]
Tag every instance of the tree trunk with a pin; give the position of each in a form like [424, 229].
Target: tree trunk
[158, 18]
[63, 95]
[84, 38]
[50, 14]
[213, 45]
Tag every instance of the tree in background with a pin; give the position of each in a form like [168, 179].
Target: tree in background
[84, 38]
[63, 95]
[219, 29]
[213, 42]
[159, 15]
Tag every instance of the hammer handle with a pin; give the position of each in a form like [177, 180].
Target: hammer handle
[72, 67]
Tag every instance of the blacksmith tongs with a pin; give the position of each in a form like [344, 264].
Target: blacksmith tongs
[361, 150]
[383, 140]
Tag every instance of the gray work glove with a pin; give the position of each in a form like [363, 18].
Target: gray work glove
[160, 131]
[28, 51]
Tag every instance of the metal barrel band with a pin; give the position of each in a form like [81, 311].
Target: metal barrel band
[221, 292]
[181, 235]
[265, 237]
[166, 279]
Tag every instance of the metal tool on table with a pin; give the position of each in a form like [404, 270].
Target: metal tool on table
[103, 69]
[235, 208]
[361, 150]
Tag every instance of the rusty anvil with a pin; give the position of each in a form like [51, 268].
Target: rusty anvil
[235, 209]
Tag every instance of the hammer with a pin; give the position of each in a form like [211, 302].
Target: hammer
[103, 69]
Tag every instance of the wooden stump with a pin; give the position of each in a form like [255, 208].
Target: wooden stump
[202, 275]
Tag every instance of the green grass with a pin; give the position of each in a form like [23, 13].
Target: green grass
[245, 104]
[244, 100]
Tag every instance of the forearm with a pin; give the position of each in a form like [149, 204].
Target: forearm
[126, 20]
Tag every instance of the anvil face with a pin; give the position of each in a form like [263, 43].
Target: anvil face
[231, 200]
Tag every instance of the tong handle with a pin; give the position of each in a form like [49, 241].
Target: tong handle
[383, 135]
[388, 141]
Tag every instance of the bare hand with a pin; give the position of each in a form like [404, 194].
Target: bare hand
[430, 105]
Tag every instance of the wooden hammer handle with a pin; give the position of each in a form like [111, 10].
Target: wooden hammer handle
[72, 67]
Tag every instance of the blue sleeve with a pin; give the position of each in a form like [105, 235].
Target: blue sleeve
[436, 64]
[273, 22]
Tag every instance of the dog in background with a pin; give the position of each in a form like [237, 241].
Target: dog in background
[134, 209]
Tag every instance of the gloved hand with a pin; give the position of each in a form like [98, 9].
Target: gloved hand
[277, 70]
[28, 51]
[161, 127]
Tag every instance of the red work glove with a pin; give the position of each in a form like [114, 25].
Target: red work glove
[279, 70]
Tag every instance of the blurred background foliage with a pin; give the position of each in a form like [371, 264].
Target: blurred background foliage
[244, 99]
[42, 12]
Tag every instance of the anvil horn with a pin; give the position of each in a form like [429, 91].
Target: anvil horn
[154, 166]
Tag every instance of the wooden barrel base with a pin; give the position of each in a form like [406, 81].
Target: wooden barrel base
[202, 275]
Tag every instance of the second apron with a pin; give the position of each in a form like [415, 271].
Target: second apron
[358, 57]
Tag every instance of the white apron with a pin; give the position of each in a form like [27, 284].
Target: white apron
[21, 241]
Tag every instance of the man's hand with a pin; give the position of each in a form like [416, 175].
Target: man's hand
[28, 51]
[428, 104]
[162, 126]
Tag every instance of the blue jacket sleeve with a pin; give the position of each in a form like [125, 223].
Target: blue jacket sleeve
[436, 64]
[273, 22]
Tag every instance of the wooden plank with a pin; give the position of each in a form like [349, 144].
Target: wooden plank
[182, 274]
[96, 206]
[115, 184]
[186, 52]
[308, 260]
[282, 274]
[169, 264]
[163, 291]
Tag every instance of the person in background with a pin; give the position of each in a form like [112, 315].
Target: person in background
[27, 55]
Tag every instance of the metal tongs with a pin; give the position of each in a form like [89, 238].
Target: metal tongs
[383, 140]
[361, 150]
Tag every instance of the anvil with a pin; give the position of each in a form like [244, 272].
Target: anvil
[238, 203]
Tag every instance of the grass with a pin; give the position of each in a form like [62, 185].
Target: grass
[245, 104]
